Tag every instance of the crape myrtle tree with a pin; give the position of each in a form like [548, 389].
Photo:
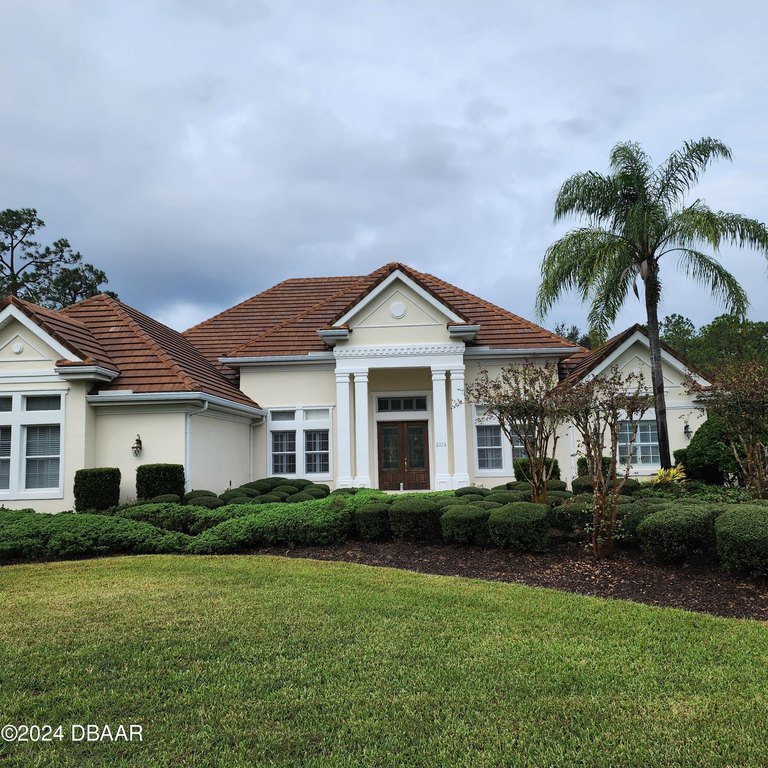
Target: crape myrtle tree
[598, 408]
[527, 404]
[634, 218]
[53, 276]
[739, 399]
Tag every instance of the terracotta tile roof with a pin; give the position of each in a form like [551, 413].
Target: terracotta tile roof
[150, 356]
[285, 319]
[576, 367]
[68, 331]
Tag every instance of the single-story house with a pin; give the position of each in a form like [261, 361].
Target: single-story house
[350, 381]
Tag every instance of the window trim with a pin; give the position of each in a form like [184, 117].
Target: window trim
[507, 450]
[18, 418]
[300, 425]
[637, 467]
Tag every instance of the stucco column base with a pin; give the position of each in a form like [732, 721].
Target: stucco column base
[443, 483]
[345, 482]
[362, 481]
[460, 481]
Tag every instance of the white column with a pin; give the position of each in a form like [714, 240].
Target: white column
[343, 432]
[459, 424]
[362, 460]
[440, 430]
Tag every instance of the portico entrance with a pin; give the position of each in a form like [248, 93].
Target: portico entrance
[403, 448]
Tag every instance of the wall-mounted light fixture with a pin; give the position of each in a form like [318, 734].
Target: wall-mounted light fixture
[687, 431]
[137, 446]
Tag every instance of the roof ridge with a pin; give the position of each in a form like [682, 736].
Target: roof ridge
[506, 312]
[295, 317]
[156, 347]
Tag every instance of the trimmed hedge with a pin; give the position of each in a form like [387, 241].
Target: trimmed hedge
[741, 535]
[521, 526]
[675, 534]
[521, 465]
[97, 488]
[507, 497]
[166, 498]
[158, 479]
[305, 524]
[27, 535]
[372, 522]
[195, 494]
[472, 490]
[209, 502]
[414, 519]
[464, 524]
[583, 484]
[583, 471]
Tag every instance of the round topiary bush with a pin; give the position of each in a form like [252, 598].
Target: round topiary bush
[166, 498]
[675, 534]
[322, 487]
[471, 490]
[508, 497]
[268, 498]
[278, 495]
[287, 489]
[448, 501]
[414, 519]
[581, 484]
[300, 483]
[742, 540]
[372, 522]
[464, 524]
[314, 492]
[300, 496]
[209, 502]
[246, 491]
[521, 526]
[556, 485]
[196, 493]
[241, 500]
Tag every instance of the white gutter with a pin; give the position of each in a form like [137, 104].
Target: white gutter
[133, 398]
[521, 352]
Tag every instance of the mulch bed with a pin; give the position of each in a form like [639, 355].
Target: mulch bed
[569, 568]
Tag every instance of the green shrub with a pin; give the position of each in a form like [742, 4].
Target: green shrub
[169, 516]
[209, 502]
[449, 501]
[158, 479]
[680, 456]
[308, 523]
[555, 498]
[573, 516]
[556, 485]
[472, 490]
[521, 526]
[372, 522]
[166, 498]
[486, 504]
[742, 540]
[287, 489]
[520, 467]
[314, 492]
[414, 519]
[675, 534]
[299, 496]
[628, 517]
[243, 490]
[464, 524]
[583, 471]
[582, 484]
[507, 497]
[709, 457]
[25, 536]
[196, 494]
[271, 498]
[97, 488]
[239, 500]
[300, 483]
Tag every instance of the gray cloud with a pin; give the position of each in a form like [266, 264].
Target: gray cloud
[200, 152]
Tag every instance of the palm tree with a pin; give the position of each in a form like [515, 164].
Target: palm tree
[632, 218]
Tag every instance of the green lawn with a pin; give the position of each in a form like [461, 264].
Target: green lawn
[241, 661]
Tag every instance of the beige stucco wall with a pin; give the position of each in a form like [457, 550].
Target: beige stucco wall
[220, 453]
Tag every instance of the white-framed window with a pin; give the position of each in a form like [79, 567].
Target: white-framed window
[300, 442]
[645, 452]
[31, 436]
[494, 453]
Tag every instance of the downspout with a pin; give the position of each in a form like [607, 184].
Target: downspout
[188, 444]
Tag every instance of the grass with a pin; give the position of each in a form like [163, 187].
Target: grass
[256, 661]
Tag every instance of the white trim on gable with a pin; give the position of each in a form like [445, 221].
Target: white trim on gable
[643, 339]
[417, 289]
[13, 313]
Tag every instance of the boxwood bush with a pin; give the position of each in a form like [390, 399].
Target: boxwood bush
[372, 522]
[520, 468]
[521, 526]
[414, 519]
[158, 479]
[305, 524]
[27, 535]
[472, 490]
[464, 524]
[742, 540]
[97, 488]
[677, 533]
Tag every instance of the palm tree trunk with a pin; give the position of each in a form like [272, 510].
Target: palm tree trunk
[657, 376]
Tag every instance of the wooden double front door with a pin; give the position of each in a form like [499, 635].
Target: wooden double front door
[403, 455]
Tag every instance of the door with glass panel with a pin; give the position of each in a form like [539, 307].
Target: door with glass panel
[403, 455]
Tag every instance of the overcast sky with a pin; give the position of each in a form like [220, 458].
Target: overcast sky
[200, 151]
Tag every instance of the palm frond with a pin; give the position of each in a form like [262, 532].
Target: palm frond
[700, 224]
[608, 296]
[711, 274]
[590, 196]
[575, 262]
[674, 179]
